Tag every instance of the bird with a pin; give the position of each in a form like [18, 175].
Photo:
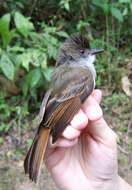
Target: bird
[72, 81]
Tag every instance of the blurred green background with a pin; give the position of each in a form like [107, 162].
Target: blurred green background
[31, 32]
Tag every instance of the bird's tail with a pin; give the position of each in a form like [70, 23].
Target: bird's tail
[35, 155]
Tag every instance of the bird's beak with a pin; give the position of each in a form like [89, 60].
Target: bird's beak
[96, 51]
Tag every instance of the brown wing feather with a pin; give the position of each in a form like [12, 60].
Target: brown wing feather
[65, 118]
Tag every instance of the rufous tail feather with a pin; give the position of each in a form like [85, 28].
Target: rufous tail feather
[35, 155]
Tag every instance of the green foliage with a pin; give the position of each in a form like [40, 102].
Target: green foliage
[65, 4]
[115, 99]
[31, 33]
[11, 115]
[130, 146]
[29, 50]
[1, 140]
[29, 142]
[117, 14]
[7, 66]
[125, 129]
[35, 52]
[109, 7]
[6, 34]
[23, 25]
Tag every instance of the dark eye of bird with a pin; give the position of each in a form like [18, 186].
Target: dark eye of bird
[81, 51]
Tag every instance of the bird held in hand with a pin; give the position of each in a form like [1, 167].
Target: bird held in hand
[72, 82]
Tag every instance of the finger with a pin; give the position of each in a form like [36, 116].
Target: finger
[78, 123]
[97, 94]
[71, 133]
[62, 142]
[92, 109]
[100, 131]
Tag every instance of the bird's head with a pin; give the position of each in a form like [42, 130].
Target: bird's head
[76, 48]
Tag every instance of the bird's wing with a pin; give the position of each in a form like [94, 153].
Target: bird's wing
[62, 116]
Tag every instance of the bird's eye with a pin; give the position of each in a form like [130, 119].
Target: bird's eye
[81, 51]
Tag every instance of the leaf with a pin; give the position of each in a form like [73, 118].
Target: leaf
[35, 56]
[7, 67]
[63, 34]
[53, 40]
[125, 12]
[16, 48]
[97, 2]
[65, 4]
[33, 77]
[117, 14]
[47, 73]
[43, 63]
[23, 24]
[25, 87]
[102, 4]
[51, 45]
[52, 51]
[7, 18]
[5, 33]
[31, 80]
[24, 59]
[82, 24]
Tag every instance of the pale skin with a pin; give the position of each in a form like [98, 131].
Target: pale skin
[85, 157]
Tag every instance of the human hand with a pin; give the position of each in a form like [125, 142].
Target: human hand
[85, 157]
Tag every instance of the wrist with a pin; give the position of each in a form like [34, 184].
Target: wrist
[107, 184]
[123, 185]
